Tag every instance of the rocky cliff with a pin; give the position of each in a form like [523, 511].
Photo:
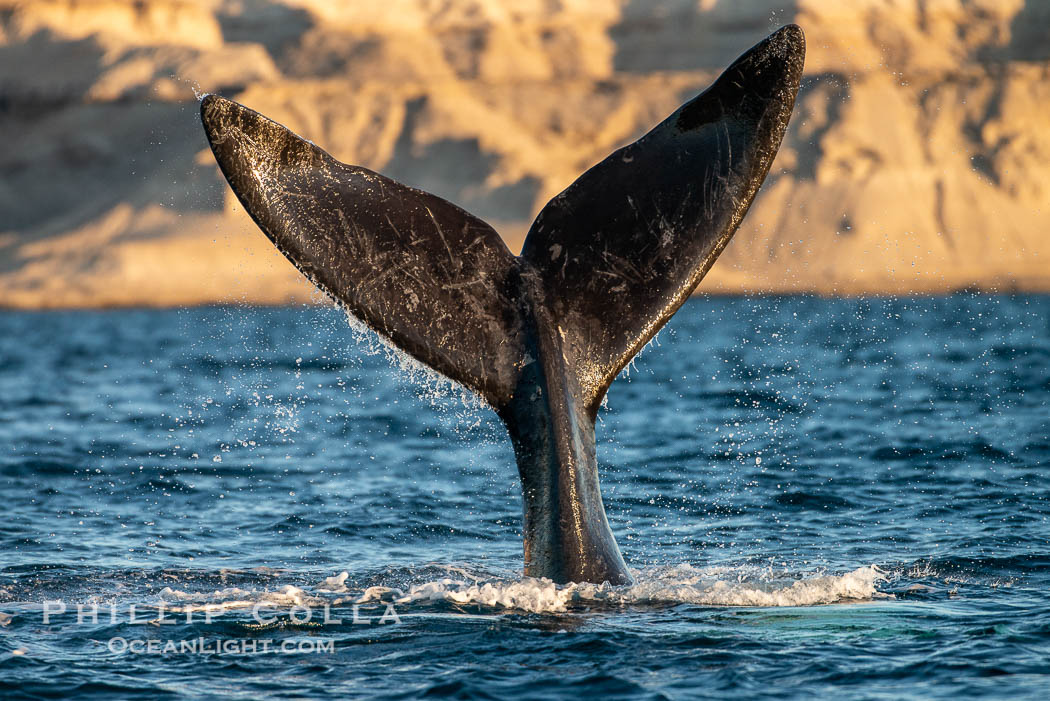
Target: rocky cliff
[917, 159]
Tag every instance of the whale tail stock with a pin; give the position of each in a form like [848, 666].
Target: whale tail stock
[540, 336]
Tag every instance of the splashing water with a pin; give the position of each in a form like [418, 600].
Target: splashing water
[681, 584]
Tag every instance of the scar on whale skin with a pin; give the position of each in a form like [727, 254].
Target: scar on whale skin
[539, 336]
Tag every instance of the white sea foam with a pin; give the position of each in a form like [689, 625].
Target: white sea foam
[334, 585]
[234, 598]
[680, 584]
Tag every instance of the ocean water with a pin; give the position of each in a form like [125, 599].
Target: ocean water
[818, 497]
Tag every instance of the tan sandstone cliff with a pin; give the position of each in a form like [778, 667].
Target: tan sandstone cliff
[918, 158]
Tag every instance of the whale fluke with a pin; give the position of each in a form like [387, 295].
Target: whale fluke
[433, 279]
[540, 336]
[622, 248]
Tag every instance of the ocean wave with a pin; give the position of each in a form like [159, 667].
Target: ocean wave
[681, 584]
[235, 598]
[443, 586]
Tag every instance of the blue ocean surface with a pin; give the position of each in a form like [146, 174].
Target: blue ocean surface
[818, 497]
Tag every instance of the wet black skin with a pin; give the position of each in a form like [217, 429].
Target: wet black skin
[542, 335]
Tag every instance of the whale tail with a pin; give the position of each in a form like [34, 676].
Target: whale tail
[540, 336]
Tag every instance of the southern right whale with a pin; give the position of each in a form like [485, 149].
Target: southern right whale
[539, 336]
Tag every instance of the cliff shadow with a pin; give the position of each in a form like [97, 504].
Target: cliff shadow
[1030, 32]
[680, 35]
[277, 27]
[457, 170]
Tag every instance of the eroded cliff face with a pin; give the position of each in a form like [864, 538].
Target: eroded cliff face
[917, 159]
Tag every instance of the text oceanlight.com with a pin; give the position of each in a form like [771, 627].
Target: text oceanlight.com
[201, 646]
